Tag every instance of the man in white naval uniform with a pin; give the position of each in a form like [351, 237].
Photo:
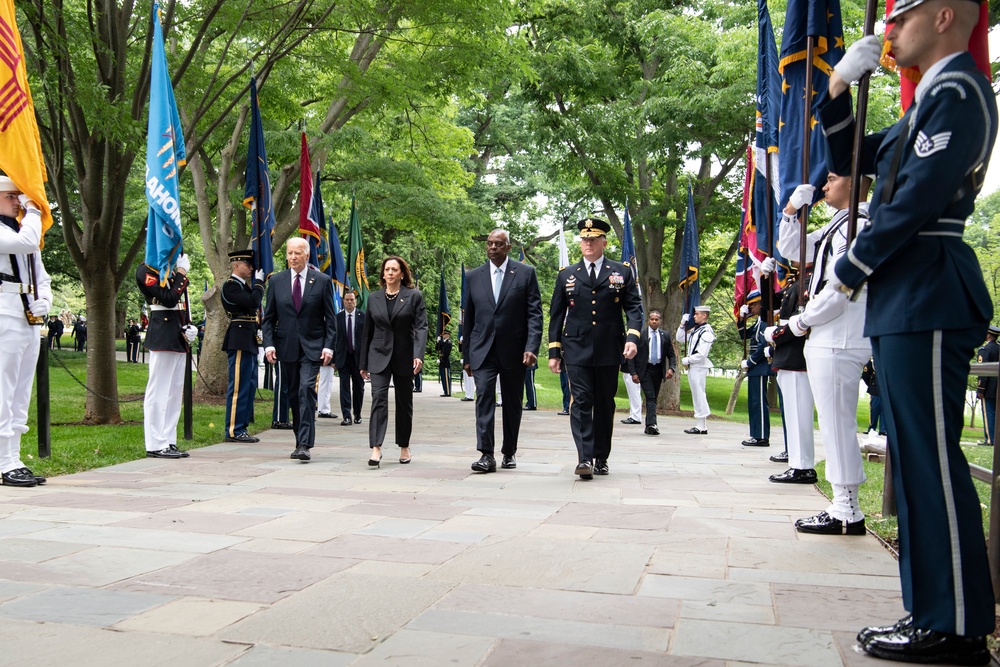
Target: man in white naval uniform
[699, 338]
[835, 351]
[18, 248]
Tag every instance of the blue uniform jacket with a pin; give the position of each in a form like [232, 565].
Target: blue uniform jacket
[757, 363]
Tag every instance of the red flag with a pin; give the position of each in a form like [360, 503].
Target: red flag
[307, 226]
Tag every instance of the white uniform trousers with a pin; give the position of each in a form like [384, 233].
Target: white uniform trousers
[833, 377]
[468, 384]
[797, 411]
[164, 394]
[324, 389]
[17, 373]
[696, 380]
[634, 390]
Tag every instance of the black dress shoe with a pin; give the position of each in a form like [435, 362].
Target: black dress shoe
[902, 624]
[347, 422]
[38, 478]
[824, 524]
[529, 409]
[242, 437]
[756, 442]
[928, 646]
[486, 463]
[652, 430]
[445, 395]
[795, 476]
[183, 454]
[165, 453]
[694, 430]
[466, 399]
[508, 463]
[601, 467]
[19, 477]
[300, 453]
[631, 421]
[779, 458]
[357, 420]
[327, 415]
[563, 412]
[282, 426]
[585, 470]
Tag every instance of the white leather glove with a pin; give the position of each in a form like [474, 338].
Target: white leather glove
[190, 332]
[744, 311]
[767, 266]
[686, 361]
[745, 365]
[861, 58]
[259, 275]
[802, 196]
[183, 263]
[40, 307]
[768, 352]
[27, 204]
[769, 334]
[685, 317]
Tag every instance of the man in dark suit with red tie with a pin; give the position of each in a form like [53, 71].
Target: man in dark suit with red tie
[502, 333]
[347, 356]
[300, 329]
[654, 361]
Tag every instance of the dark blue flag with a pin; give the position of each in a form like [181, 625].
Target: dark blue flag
[766, 135]
[257, 190]
[338, 261]
[461, 303]
[690, 263]
[444, 311]
[628, 251]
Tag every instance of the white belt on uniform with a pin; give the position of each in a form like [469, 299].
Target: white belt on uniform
[155, 307]
[15, 288]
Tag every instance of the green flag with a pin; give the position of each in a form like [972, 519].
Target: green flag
[357, 274]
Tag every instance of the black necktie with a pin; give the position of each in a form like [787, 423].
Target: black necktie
[350, 334]
[593, 274]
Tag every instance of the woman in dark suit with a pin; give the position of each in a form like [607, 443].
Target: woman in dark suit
[393, 349]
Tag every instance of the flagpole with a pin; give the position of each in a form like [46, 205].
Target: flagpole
[765, 281]
[806, 138]
[860, 116]
[188, 384]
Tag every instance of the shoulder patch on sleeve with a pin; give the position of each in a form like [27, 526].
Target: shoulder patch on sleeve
[925, 146]
[150, 280]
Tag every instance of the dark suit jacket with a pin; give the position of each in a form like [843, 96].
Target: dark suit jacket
[396, 340]
[340, 352]
[516, 316]
[304, 334]
[637, 364]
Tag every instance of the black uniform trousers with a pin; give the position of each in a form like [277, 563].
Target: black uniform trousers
[512, 392]
[592, 410]
[402, 382]
[240, 391]
[280, 386]
[530, 396]
[650, 383]
[300, 378]
[444, 374]
[922, 381]
[352, 388]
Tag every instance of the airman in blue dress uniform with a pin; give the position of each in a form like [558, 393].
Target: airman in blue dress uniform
[758, 370]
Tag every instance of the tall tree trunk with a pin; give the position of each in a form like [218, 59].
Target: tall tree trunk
[101, 288]
[213, 366]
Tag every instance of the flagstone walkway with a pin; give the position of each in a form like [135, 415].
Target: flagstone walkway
[684, 555]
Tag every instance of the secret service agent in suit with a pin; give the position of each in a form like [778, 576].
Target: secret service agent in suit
[168, 340]
[347, 358]
[300, 328]
[241, 298]
[392, 349]
[758, 370]
[647, 367]
[586, 333]
[502, 333]
[986, 386]
[929, 168]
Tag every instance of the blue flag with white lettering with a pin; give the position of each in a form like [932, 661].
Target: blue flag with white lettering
[164, 156]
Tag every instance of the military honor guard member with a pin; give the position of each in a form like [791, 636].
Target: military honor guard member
[986, 386]
[634, 391]
[654, 362]
[758, 370]
[928, 308]
[241, 299]
[443, 346]
[19, 250]
[699, 337]
[168, 339]
[586, 334]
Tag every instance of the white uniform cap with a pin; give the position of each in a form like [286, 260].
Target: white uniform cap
[7, 185]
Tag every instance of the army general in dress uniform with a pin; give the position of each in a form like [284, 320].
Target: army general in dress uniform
[587, 334]
[241, 298]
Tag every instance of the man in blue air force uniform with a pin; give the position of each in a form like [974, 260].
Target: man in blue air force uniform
[758, 370]
[241, 298]
[929, 168]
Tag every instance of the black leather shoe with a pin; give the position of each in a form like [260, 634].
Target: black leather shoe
[466, 399]
[327, 415]
[601, 467]
[928, 646]
[652, 430]
[165, 453]
[38, 478]
[282, 426]
[347, 422]
[756, 442]
[694, 430]
[183, 454]
[357, 420]
[824, 524]
[631, 421]
[779, 458]
[242, 437]
[563, 412]
[486, 463]
[585, 470]
[902, 624]
[795, 476]
[508, 463]
[19, 477]
[301, 453]
[445, 395]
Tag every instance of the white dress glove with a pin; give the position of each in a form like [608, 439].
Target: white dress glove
[744, 311]
[861, 58]
[685, 317]
[745, 365]
[40, 307]
[190, 332]
[27, 204]
[767, 266]
[686, 361]
[769, 334]
[768, 352]
[259, 275]
[183, 263]
[802, 196]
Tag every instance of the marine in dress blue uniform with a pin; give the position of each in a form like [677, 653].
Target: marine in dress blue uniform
[241, 298]
[914, 260]
[758, 370]
[586, 333]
